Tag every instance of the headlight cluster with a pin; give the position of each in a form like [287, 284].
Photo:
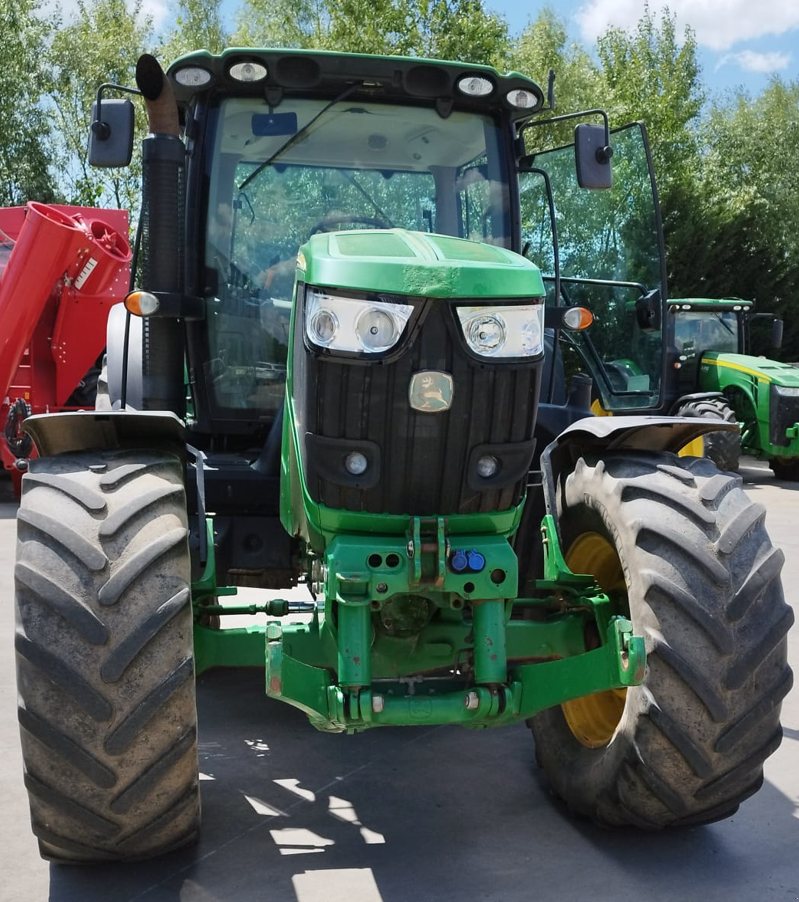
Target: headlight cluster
[504, 331]
[350, 324]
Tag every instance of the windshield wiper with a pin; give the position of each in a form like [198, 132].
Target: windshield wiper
[286, 145]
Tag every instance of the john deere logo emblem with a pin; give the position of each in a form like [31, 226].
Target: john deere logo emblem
[430, 391]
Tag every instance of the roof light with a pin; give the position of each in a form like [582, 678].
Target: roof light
[685, 307]
[193, 77]
[475, 86]
[142, 303]
[249, 72]
[521, 99]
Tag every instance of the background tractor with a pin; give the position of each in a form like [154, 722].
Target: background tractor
[330, 374]
[713, 343]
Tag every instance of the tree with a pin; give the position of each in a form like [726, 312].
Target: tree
[283, 23]
[650, 75]
[543, 46]
[101, 45]
[442, 29]
[745, 242]
[197, 26]
[25, 163]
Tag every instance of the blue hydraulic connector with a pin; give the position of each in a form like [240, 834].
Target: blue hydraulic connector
[459, 561]
[475, 560]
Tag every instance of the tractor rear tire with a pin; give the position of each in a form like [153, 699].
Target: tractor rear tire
[723, 448]
[105, 667]
[688, 556]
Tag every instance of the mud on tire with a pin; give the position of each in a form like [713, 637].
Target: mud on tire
[703, 589]
[105, 669]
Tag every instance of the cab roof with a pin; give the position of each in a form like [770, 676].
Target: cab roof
[327, 73]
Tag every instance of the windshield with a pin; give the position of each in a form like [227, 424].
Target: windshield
[351, 165]
[696, 332]
[610, 260]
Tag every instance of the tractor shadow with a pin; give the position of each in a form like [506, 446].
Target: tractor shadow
[757, 473]
[8, 507]
[409, 815]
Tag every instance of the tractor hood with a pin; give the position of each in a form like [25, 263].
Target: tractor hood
[761, 368]
[397, 261]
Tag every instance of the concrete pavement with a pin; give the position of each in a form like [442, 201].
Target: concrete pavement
[408, 815]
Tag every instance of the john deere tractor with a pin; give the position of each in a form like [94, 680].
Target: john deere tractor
[329, 374]
[712, 339]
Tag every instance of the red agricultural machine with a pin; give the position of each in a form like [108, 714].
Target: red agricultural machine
[61, 270]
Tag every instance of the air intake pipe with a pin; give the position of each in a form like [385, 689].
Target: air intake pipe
[162, 248]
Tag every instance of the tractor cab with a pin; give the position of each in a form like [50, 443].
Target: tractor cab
[702, 326]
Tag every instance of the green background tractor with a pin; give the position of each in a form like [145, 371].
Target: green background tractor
[334, 373]
[712, 339]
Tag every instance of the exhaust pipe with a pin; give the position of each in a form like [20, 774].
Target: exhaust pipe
[162, 250]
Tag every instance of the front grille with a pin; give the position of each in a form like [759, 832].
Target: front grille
[784, 413]
[423, 459]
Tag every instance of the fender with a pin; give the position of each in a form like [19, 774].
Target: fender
[119, 320]
[84, 430]
[597, 434]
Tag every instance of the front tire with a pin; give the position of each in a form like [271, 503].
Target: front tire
[686, 556]
[105, 668]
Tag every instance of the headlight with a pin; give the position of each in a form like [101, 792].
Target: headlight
[786, 392]
[350, 324]
[503, 331]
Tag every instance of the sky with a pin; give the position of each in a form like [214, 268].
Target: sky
[742, 43]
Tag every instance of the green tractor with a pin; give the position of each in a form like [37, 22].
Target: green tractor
[715, 361]
[329, 374]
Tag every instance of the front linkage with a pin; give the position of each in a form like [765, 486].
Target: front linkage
[426, 629]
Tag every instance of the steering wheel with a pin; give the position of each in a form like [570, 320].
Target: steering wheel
[326, 223]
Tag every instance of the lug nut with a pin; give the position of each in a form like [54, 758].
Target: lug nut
[472, 701]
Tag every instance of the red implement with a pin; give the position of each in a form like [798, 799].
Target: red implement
[61, 270]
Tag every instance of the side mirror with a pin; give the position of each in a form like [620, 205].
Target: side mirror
[647, 311]
[592, 157]
[776, 334]
[111, 135]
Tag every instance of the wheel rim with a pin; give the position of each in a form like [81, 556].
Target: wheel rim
[696, 448]
[593, 719]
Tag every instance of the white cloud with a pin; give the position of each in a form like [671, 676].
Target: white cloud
[718, 24]
[756, 62]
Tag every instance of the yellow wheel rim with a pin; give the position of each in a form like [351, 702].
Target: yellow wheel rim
[696, 448]
[593, 719]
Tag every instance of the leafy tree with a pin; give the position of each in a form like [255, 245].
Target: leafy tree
[542, 46]
[443, 29]
[197, 26]
[285, 23]
[649, 74]
[24, 128]
[101, 45]
[746, 235]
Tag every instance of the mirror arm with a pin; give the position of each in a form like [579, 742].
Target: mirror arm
[101, 129]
